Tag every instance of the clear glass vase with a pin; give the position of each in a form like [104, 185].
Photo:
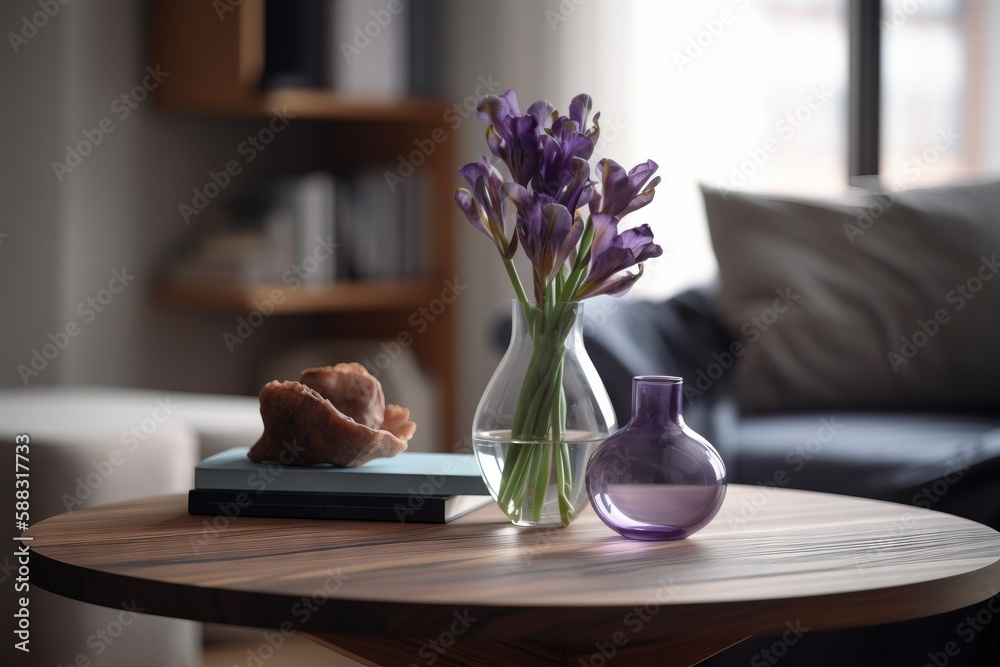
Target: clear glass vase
[542, 415]
[656, 479]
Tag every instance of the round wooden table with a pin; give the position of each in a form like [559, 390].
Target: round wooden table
[479, 591]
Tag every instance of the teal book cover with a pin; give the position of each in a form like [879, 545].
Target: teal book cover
[412, 473]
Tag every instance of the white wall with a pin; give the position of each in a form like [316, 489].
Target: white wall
[993, 90]
[118, 208]
[505, 41]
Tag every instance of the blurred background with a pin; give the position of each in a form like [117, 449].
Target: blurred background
[204, 195]
[746, 95]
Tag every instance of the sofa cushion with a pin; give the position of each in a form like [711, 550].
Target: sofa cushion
[90, 447]
[880, 301]
[948, 463]
[676, 337]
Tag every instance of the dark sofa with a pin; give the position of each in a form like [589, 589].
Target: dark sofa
[946, 461]
[874, 372]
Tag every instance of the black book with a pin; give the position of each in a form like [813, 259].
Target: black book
[294, 44]
[401, 508]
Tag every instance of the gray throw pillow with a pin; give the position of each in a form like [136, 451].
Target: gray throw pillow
[885, 300]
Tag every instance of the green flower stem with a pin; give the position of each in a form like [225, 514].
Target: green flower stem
[563, 472]
[515, 280]
[565, 477]
[513, 469]
[539, 427]
[544, 455]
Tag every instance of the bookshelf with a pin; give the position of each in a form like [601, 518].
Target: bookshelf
[215, 62]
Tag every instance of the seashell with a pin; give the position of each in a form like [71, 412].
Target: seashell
[350, 387]
[300, 419]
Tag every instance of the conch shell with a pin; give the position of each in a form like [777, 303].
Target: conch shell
[335, 415]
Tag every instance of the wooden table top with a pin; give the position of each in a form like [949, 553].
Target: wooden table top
[771, 556]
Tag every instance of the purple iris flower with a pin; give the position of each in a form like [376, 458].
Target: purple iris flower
[486, 206]
[616, 253]
[548, 156]
[622, 193]
[547, 230]
[512, 137]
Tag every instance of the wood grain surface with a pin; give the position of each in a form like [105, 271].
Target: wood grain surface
[770, 558]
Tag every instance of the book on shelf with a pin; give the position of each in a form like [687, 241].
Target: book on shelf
[427, 40]
[309, 201]
[294, 44]
[401, 508]
[368, 48]
[359, 48]
[409, 474]
[283, 233]
[384, 231]
[317, 228]
[226, 256]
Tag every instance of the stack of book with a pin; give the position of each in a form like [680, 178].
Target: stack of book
[413, 487]
[362, 48]
[315, 229]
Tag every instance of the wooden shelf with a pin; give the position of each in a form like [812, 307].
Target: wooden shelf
[304, 300]
[316, 105]
[215, 64]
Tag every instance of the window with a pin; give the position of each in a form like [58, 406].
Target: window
[753, 95]
[935, 90]
[734, 93]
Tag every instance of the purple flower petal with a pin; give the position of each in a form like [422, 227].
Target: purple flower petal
[607, 261]
[639, 240]
[494, 110]
[541, 111]
[579, 110]
[468, 205]
[563, 235]
[622, 193]
[511, 100]
[605, 231]
[616, 286]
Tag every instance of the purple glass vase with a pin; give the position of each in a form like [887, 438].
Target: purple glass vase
[656, 479]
